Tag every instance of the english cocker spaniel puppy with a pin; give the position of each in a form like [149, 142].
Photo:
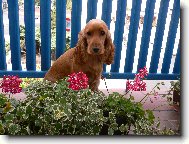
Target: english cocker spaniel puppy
[94, 48]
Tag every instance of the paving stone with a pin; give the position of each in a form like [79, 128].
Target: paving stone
[167, 115]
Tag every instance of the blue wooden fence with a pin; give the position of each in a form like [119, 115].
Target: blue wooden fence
[45, 29]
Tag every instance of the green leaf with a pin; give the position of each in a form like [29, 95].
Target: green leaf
[20, 111]
[9, 117]
[158, 124]
[8, 107]
[2, 130]
[114, 126]
[58, 126]
[3, 101]
[105, 119]
[158, 88]
[110, 131]
[25, 116]
[1, 110]
[52, 130]
[150, 116]
[14, 129]
[55, 107]
[38, 122]
[29, 109]
[162, 83]
[122, 128]
[47, 118]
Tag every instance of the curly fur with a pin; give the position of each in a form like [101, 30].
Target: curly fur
[83, 57]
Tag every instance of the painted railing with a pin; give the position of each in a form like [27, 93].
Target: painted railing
[107, 7]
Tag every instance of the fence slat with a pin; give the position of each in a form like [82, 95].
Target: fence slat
[147, 26]
[132, 37]
[45, 29]
[75, 21]
[2, 41]
[118, 33]
[106, 16]
[29, 19]
[151, 76]
[60, 27]
[176, 68]
[91, 9]
[14, 31]
[171, 37]
[40, 74]
[159, 36]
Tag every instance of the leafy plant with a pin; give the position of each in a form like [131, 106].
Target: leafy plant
[69, 107]
[56, 109]
[175, 86]
[123, 113]
[37, 2]
[27, 81]
[7, 47]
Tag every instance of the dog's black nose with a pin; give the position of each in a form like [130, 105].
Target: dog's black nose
[95, 49]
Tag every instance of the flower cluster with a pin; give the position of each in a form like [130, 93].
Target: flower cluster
[78, 81]
[138, 84]
[11, 84]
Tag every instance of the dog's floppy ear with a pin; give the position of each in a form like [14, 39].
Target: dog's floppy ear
[81, 48]
[109, 50]
[81, 34]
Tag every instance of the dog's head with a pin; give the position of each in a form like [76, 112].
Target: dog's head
[95, 39]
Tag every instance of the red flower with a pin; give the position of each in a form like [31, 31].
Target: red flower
[129, 85]
[143, 72]
[11, 84]
[137, 84]
[78, 81]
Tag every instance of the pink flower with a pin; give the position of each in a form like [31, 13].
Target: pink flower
[143, 72]
[156, 94]
[129, 85]
[78, 81]
[142, 86]
[137, 84]
[11, 84]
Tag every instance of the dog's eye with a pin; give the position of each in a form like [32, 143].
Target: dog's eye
[89, 33]
[102, 33]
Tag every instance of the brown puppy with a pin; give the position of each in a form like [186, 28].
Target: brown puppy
[94, 48]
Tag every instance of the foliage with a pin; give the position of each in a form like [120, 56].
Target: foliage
[142, 128]
[37, 2]
[123, 113]
[175, 86]
[69, 5]
[55, 109]
[37, 39]
[20, 2]
[27, 81]
[7, 47]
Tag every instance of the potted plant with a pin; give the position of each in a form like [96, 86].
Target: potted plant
[69, 107]
[175, 88]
